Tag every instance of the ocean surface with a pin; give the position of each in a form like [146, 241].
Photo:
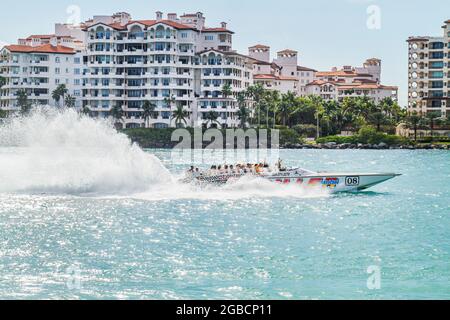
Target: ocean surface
[84, 215]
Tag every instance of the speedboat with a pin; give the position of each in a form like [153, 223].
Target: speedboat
[333, 182]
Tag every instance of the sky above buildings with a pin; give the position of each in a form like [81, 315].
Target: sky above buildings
[326, 33]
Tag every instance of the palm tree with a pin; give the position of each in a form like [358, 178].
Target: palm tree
[412, 122]
[69, 101]
[431, 119]
[317, 104]
[243, 113]
[212, 118]
[169, 101]
[23, 102]
[59, 93]
[85, 110]
[3, 113]
[287, 104]
[2, 82]
[227, 90]
[256, 93]
[148, 110]
[302, 112]
[117, 114]
[377, 115]
[273, 103]
[180, 115]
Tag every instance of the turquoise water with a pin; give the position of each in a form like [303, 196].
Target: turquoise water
[173, 242]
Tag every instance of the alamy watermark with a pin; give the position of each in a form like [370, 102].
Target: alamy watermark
[225, 146]
[73, 278]
[373, 17]
[74, 15]
[374, 279]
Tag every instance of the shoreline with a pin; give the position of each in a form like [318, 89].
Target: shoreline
[327, 147]
[381, 146]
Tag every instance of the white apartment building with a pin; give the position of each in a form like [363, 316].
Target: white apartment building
[220, 68]
[130, 61]
[429, 73]
[173, 61]
[39, 69]
[283, 73]
[349, 81]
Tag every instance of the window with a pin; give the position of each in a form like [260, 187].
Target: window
[77, 60]
[57, 70]
[436, 74]
[77, 71]
[209, 38]
[57, 60]
[437, 65]
[184, 35]
[77, 82]
[437, 45]
[437, 55]
[77, 93]
[56, 81]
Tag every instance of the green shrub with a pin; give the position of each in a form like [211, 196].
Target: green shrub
[306, 130]
[435, 139]
[290, 137]
[338, 139]
[367, 135]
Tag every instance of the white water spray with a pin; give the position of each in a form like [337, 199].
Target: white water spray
[61, 152]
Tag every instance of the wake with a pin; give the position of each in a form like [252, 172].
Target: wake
[60, 152]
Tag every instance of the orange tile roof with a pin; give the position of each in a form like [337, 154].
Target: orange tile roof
[367, 87]
[339, 73]
[355, 85]
[273, 77]
[300, 68]
[147, 23]
[265, 77]
[47, 36]
[259, 46]
[287, 51]
[320, 82]
[171, 23]
[217, 30]
[41, 36]
[46, 48]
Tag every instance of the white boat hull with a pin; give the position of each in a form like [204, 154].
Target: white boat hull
[332, 182]
[336, 182]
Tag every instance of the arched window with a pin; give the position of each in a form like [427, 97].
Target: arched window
[212, 59]
[159, 33]
[135, 32]
[100, 32]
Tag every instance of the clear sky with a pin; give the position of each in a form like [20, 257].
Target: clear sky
[326, 33]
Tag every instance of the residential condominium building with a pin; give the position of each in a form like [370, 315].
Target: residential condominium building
[429, 73]
[160, 60]
[219, 69]
[283, 73]
[173, 62]
[39, 70]
[349, 81]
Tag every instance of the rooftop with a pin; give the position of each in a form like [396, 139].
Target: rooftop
[46, 48]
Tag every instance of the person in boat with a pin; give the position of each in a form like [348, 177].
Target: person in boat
[280, 166]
